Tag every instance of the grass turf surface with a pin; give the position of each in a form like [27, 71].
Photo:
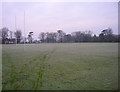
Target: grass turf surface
[60, 66]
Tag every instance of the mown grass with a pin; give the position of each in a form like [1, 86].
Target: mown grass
[62, 66]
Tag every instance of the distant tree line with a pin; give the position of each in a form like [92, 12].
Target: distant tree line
[106, 35]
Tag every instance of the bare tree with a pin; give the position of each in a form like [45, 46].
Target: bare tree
[30, 38]
[18, 35]
[42, 36]
[106, 35]
[68, 38]
[60, 35]
[54, 36]
[4, 35]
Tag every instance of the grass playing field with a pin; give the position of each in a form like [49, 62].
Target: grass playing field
[60, 66]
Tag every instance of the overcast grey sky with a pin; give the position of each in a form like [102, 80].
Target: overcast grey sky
[68, 16]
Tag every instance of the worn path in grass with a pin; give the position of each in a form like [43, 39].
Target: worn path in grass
[60, 66]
